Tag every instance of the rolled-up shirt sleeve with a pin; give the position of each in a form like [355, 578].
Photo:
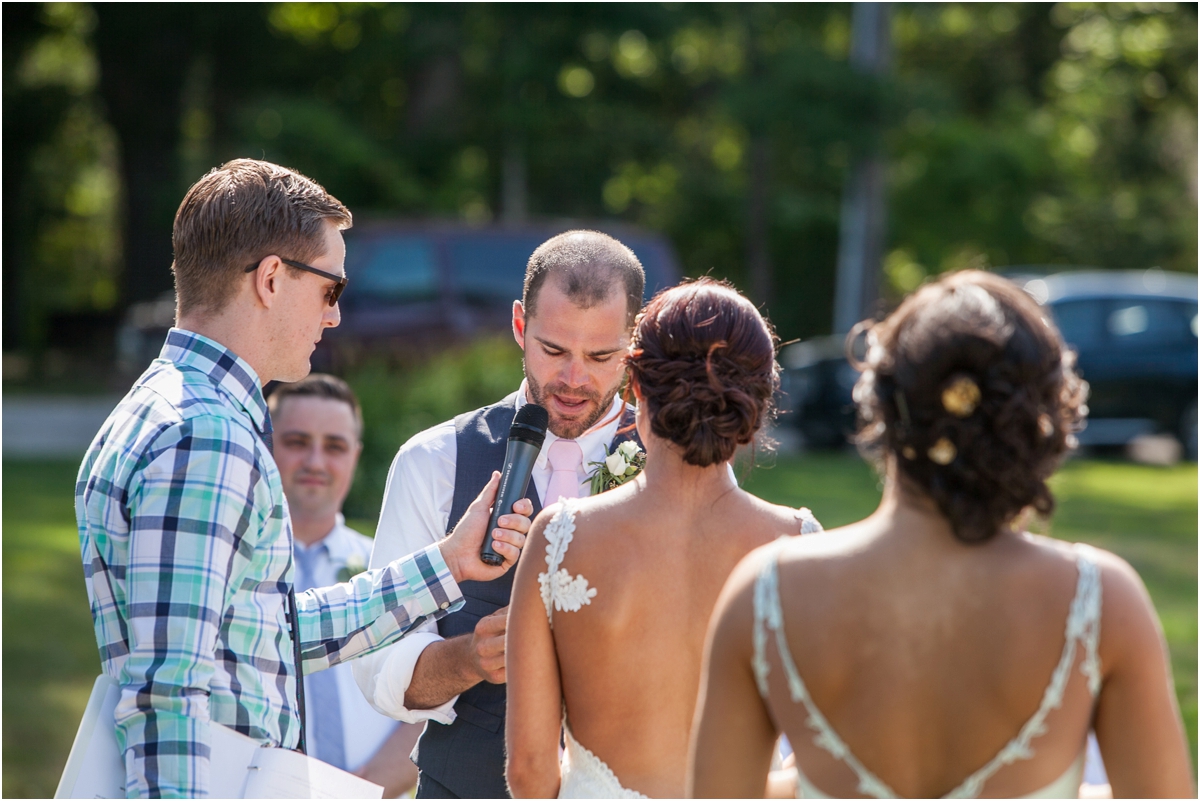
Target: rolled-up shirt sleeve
[194, 515]
[416, 509]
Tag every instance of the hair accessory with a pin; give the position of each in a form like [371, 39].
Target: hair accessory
[961, 397]
[943, 451]
[1045, 425]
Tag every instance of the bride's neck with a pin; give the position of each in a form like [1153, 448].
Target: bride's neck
[667, 474]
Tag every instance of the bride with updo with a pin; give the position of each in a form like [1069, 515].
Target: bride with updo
[613, 594]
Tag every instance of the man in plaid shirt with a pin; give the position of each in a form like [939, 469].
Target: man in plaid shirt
[183, 524]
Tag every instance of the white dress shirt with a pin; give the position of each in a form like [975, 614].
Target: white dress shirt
[363, 729]
[416, 511]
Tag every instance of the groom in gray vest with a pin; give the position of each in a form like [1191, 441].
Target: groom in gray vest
[582, 292]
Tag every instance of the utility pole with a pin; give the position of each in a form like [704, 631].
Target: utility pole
[514, 188]
[864, 204]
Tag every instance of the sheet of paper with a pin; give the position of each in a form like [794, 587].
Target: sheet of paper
[239, 766]
[94, 768]
[290, 774]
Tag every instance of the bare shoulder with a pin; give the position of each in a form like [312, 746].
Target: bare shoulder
[1118, 578]
[1128, 621]
[734, 608]
[774, 520]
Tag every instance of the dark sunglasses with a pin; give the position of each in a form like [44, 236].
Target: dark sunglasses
[299, 265]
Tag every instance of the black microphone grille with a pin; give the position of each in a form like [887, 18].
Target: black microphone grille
[532, 416]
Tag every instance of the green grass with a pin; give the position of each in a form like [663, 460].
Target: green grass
[1145, 514]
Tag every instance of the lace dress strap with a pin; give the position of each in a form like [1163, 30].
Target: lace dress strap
[768, 614]
[808, 522]
[1083, 626]
[561, 590]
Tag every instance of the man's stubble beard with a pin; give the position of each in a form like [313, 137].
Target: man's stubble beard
[573, 429]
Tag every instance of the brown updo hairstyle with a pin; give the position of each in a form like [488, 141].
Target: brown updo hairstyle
[1004, 440]
[703, 359]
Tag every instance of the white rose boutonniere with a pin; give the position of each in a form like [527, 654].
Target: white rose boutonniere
[354, 565]
[625, 462]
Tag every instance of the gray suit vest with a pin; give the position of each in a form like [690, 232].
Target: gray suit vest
[467, 757]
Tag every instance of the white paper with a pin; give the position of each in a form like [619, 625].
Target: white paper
[239, 766]
[279, 773]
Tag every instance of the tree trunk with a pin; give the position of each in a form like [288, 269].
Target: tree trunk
[758, 223]
[864, 203]
[514, 186]
[144, 52]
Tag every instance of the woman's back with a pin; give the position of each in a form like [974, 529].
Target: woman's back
[927, 662]
[630, 659]
[629, 578]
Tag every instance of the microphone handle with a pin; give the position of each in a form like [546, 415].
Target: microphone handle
[514, 481]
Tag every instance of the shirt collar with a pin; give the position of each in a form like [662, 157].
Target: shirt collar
[592, 442]
[336, 542]
[339, 542]
[232, 375]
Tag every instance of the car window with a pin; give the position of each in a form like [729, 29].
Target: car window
[397, 268]
[1145, 323]
[488, 268]
[1080, 321]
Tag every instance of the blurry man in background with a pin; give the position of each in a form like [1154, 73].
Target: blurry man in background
[318, 438]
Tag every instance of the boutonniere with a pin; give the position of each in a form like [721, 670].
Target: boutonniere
[354, 565]
[618, 467]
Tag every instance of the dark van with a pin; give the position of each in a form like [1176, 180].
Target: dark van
[420, 285]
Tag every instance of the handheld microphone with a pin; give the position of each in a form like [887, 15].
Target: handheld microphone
[525, 440]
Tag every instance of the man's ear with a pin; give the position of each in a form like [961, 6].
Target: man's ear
[266, 280]
[519, 323]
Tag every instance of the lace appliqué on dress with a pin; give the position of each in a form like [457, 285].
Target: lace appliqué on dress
[561, 590]
[585, 775]
[808, 521]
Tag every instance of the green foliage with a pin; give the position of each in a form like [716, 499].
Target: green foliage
[1044, 135]
[61, 198]
[1015, 133]
[400, 402]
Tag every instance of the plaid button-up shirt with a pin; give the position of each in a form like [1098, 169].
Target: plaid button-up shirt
[187, 553]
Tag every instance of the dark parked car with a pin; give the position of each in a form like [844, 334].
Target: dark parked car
[1134, 331]
[415, 285]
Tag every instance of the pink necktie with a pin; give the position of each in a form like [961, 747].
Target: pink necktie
[566, 459]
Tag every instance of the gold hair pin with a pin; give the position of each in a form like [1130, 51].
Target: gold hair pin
[943, 451]
[961, 397]
[1045, 425]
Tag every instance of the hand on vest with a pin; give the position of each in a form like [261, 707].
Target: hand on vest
[461, 548]
[487, 646]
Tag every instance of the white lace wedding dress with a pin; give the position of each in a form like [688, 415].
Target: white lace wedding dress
[585, 775]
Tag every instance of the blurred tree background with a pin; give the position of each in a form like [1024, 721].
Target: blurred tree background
[1014, 134]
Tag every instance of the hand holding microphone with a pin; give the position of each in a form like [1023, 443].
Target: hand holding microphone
[525, 438]
[486, 532]
[461, 547]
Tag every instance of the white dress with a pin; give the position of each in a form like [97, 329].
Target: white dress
[1082, 629]
[585, 775]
